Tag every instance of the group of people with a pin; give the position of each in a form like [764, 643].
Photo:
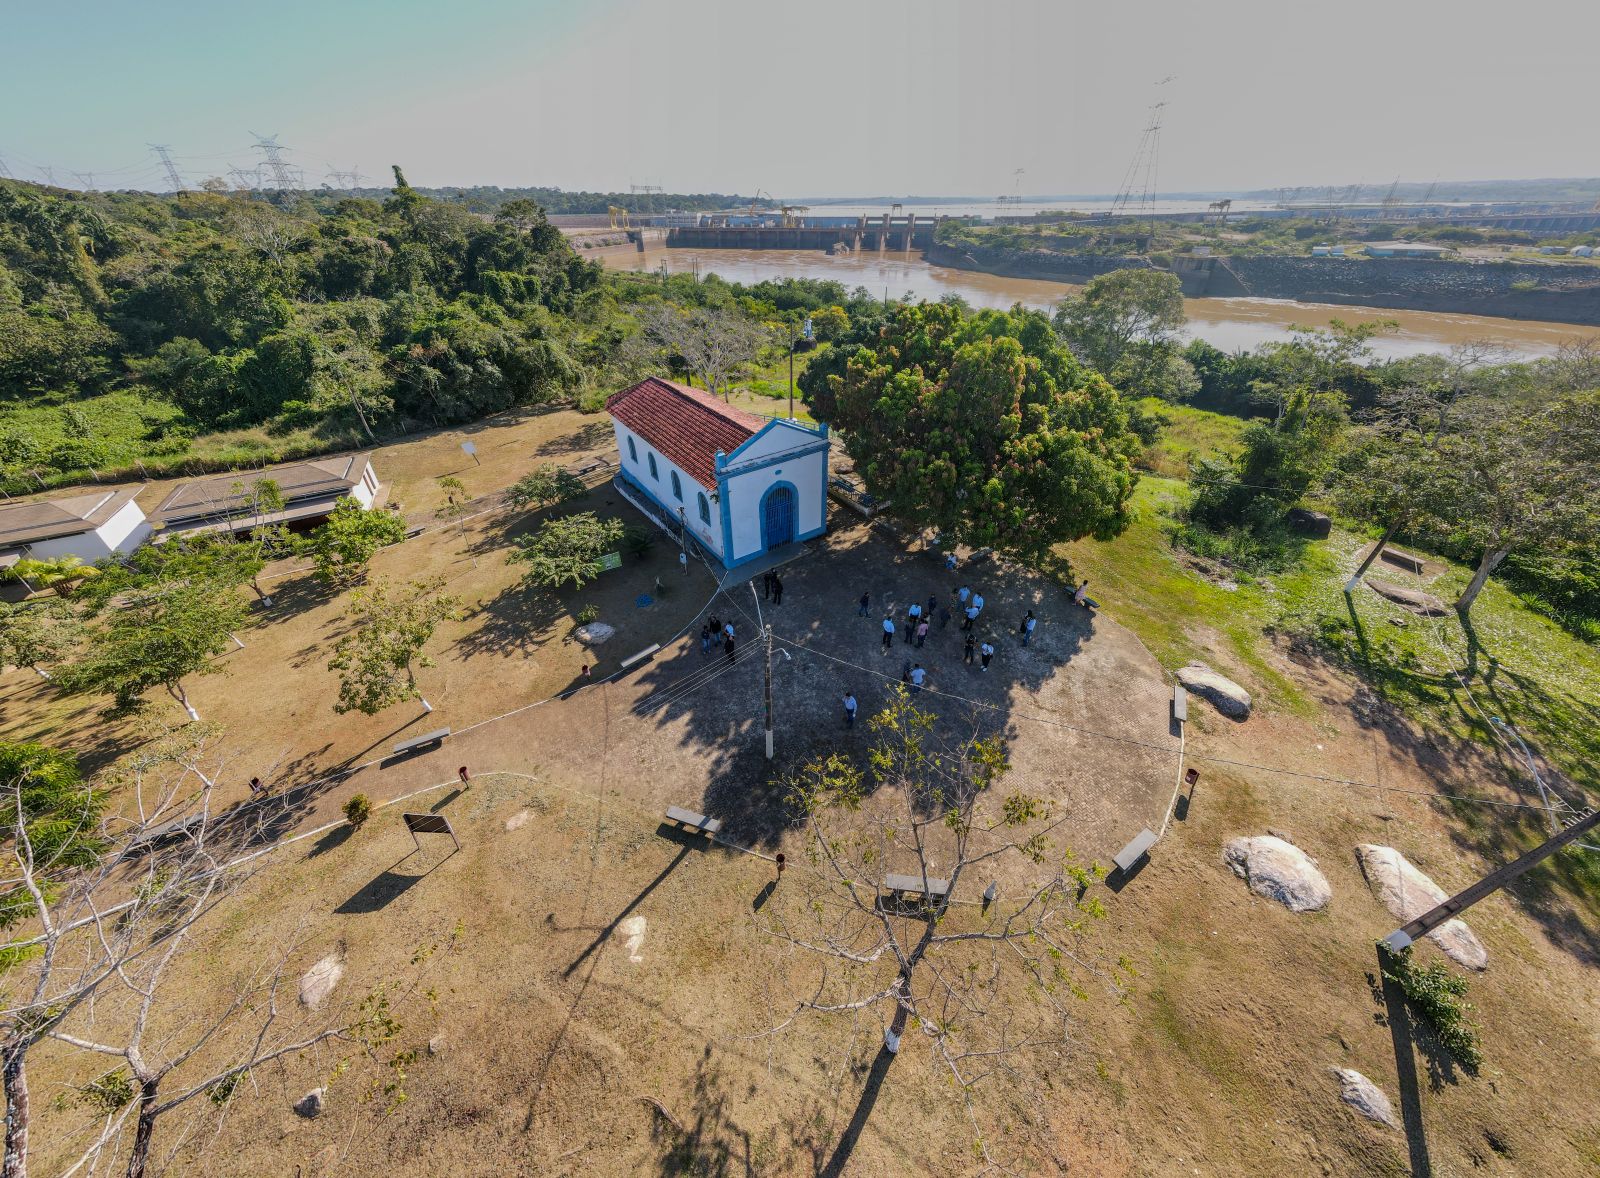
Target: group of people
[715, 629]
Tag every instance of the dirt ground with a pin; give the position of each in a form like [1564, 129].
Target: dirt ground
[555, 1041]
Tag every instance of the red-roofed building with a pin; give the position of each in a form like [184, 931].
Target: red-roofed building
[740, 484]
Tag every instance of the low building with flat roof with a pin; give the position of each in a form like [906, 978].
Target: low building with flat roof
[1406, 249]
[90, 526]
[229, 503]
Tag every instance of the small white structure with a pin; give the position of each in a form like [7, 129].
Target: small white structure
[91, 527]
[1406, 249]
[227, 503]
[741, 485]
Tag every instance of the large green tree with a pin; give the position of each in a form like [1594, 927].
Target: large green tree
[567, 550]
[377, 659]
[342, 547]
[1126, 324]
[986, 427]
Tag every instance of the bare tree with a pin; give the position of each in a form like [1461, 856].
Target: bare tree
[714, 344]
[983, 966]
[93, 967]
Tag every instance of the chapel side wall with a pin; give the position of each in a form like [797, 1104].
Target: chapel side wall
[660, 489]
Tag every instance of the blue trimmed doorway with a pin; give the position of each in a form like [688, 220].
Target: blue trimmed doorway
[777, 517]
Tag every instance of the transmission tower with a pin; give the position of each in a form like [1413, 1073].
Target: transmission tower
[645, 189]
[1139, 183]
[246, 179]
[284, 178]
[86, 179]
[346, 181]
[5, 172]
[162, 152]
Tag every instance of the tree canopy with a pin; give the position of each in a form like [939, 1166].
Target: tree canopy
[986, 427]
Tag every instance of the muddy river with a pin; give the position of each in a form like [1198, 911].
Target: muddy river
[1227, 323]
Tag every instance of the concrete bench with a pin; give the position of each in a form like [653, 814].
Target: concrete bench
[1180, 703]
[166, 833]
[912, 885]
[644, 655]
[1404, 560]
[695, 821]
[412, 533]
[427, 740]
[1134, 851]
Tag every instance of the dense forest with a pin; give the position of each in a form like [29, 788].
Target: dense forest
[208, 330]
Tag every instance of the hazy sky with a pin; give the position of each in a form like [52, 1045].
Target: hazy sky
[826, 97]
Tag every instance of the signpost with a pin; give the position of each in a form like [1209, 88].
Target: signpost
[611, 560]
[472, 449]
[429, 824]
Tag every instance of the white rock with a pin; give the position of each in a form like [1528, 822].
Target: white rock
[311, 1104]
[1407, 894]
[318, 981]
[436, 1045]
[1365, 1097]
[594, 633]
[1221, 692]
[631, 933]
[1279, 870]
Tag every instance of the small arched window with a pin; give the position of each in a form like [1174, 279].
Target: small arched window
[654, 473]
[677, 487]
[633, 451]
[705, 508]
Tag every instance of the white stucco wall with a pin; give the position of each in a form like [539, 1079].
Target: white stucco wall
[708, 534]
[123, 532]
[808, 473]
[367, 488]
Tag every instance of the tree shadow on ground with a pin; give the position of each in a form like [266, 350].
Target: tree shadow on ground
[1398, 1019]
[516, 621]
[823, 648]
[592, 435]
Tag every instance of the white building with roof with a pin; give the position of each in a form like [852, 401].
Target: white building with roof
[228, 503]
[740, 485]
[90, 526]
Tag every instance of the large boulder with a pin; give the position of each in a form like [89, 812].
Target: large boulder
[1407, 894]
[318, 981]
[1280, 871]
[1414, 600]
[1309, 523]
[1221, 692]
[1365, 1097]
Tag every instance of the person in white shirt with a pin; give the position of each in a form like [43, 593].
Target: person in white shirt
[888, 631]
[849, 709]
[917, 677]
[987, 653]
[1028, 623]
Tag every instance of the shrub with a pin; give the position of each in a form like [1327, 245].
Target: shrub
[588, 614]
[357, 810]
[1439, 996]
[638, 539]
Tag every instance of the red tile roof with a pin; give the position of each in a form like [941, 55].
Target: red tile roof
[688, 426]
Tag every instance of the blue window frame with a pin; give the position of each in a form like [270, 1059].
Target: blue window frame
[677, 487]
[633, 451]
[705, 508]
[654, 473]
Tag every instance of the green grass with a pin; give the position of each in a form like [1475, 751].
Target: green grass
[1188, 433]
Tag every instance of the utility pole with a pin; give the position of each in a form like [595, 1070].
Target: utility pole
[1403, 936]
[162, 150]
[791, 371]
[767, 634]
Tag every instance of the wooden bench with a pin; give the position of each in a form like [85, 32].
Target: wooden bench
[699, 822]
[427, 740]
[647, 653]
[1404, 560]
[902, 886]
[168, 832]
[1180, 703]
[1134, 851]
[412, 533]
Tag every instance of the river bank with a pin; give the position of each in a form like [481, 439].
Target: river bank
[1228, 323]
[1502, 290]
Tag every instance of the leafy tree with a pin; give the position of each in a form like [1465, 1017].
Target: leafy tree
[830, 323]
[456, 500]
[165, 633]
[38, 635]
[545, 487]
[1126, 324]
[378, 657]
[985, 427]
[357, 810]
[61, 815]
[982, 979]
[1515, 473]
[342, 547]
[567, 550]
[61, 573]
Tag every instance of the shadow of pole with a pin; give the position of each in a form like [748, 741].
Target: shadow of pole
[682, 854]
[858, 1119]
[1405, 1067]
